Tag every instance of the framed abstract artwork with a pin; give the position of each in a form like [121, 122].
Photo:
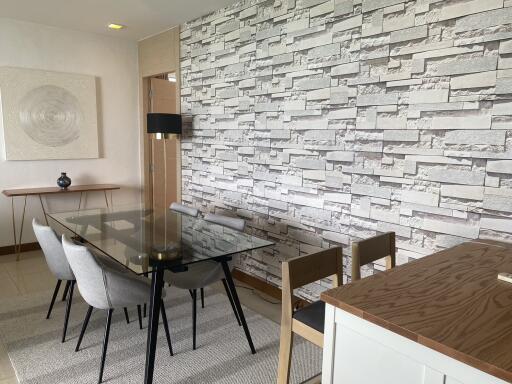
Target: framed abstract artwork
[48, 115]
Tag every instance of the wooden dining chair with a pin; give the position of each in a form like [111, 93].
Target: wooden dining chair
[372, 249]
[307, 322]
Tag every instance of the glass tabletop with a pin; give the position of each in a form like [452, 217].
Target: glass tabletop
[140, 239]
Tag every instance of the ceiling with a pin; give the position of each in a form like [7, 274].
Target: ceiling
[143, 18]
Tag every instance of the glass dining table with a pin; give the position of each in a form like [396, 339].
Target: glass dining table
[149, 243]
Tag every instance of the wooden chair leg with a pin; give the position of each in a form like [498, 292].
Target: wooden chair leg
[285, 355]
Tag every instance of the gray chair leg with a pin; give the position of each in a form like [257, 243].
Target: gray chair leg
[202, 297]
[105, 344]
[84, 327]
[68, 310]
[55, 292]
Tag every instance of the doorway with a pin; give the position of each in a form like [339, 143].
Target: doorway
[164, 161]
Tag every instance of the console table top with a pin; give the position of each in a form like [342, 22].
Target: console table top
[56, 190]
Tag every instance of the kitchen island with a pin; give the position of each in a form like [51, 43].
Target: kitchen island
[443, 319]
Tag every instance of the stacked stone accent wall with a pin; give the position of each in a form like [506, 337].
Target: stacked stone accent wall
[323, 122]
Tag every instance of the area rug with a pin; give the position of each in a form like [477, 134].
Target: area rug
[222, 354]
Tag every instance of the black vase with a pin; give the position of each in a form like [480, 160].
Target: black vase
[63, 181]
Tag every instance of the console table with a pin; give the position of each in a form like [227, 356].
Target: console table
[44, 191]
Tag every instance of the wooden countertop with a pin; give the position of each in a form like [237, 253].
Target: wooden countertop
[451, 302]
[53, 190]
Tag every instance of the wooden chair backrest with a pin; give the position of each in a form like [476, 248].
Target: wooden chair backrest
[303, 270]
[372, 249]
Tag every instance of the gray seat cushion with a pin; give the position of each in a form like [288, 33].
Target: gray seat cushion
[312, 315]
[198, 275]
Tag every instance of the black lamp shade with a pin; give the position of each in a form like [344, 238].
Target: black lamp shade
[164, 123]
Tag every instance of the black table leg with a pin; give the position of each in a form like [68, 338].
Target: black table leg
[228, 293]
[157, 282]
[234, 296]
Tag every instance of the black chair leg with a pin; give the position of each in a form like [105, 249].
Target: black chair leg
[194, 317]
[68, 310]
[66, 289]
[139, 312]
[145, 310]
[228, 293]
[105, 344]
[84, 327]
[126, 315]
[202, 297]
[55, 293]
[166, 327]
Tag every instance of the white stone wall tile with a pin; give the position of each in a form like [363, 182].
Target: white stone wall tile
[428, 96]
[476, 80]
[470, 122]
[468, 8]
[463, 192]
[500, 166]
[481, 64]
[370, 5]
[347, 24]
[475, 137]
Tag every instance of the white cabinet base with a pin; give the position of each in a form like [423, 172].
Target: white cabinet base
[357, 351]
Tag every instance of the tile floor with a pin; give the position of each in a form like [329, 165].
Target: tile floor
[30, 274]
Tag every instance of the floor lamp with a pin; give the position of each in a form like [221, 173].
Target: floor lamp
[162, 125]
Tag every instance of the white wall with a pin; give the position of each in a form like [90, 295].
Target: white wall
[114, 62]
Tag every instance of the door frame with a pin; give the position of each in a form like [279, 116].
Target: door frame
[157, 54]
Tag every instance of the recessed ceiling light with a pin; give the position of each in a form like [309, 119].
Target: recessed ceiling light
[116, 27]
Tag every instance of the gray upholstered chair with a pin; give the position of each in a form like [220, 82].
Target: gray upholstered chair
[58, 265]
[177, 207]
[203, 274]
[226, 221]
[106, 288]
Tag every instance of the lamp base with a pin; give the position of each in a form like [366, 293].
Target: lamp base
[161, 136]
